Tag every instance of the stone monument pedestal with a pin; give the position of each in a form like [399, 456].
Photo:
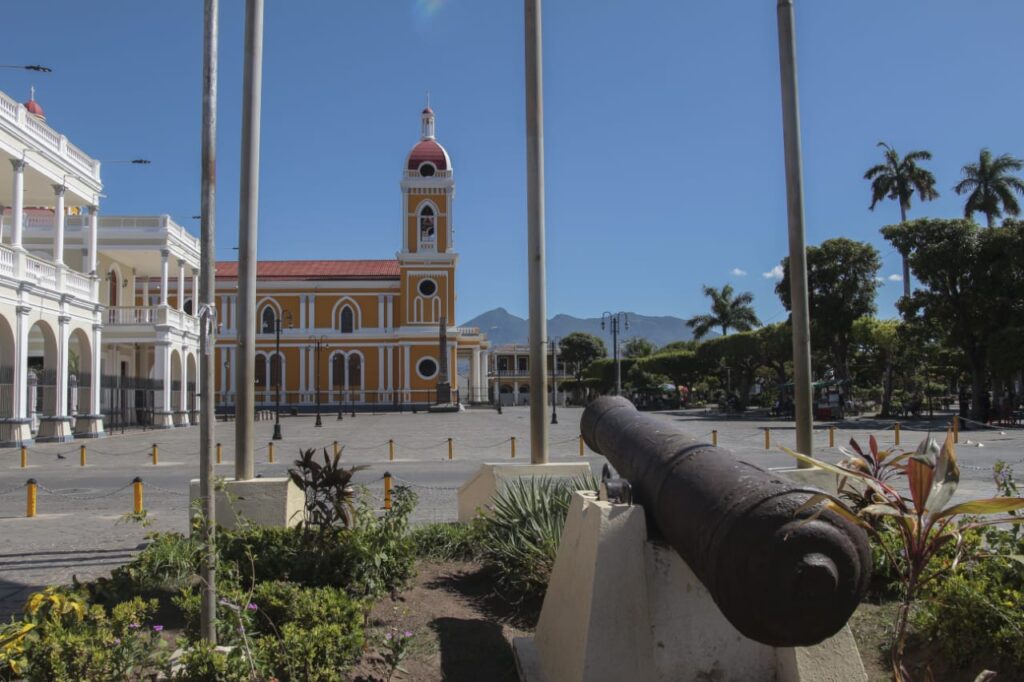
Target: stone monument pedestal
[54, 430]
[274, 502]
[623, 607]
[477, 492]
[89, 426]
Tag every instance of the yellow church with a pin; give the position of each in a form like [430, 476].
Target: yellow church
[363, 334]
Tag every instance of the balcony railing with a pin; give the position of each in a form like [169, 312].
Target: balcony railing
[469, 331]
[126, 316]
[46, 137]
[525, 373]
[77, 283]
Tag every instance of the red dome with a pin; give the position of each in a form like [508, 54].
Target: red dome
[428, 150]
[34, 108]
[428, 110]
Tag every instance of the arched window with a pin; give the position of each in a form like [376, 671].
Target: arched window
[355, 371]
[261, 371]
[276, 373]
[338, 372]
[427, 231]
[346, 322]
[267, 320]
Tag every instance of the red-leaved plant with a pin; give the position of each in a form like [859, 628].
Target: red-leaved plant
[924, 522]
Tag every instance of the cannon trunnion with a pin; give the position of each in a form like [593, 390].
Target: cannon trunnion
[778, 578]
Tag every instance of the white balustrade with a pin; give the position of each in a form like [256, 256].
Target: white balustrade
[78, 283]
[40, 272]
[47, 138]
[6, 261]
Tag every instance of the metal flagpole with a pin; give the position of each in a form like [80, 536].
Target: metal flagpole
[535, 226]
[207, 324]
[248, 209]
[797, 249]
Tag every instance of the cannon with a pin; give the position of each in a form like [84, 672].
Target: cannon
[779, 578]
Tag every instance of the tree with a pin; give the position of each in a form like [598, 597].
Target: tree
[638, 347]
[680, 366]
[578, 351]
[775, 344]
[841, 285]
[738, 355]
[880, 337]
[991, 186]
[974, 282]
[679, 345]
[898, 178]
[727, 312]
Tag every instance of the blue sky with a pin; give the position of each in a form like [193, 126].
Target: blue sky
[663, 127]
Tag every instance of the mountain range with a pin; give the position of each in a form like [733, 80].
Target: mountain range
[502, 327]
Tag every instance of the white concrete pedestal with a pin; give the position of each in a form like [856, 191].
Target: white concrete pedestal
[89, 426]
[260, 501]
[181, 418]
[163, 420]
[477, 492]
[620, 607]
[15, 433]
[55, 430]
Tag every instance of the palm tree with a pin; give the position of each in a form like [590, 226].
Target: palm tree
[727, 312]
[991, 186]
[898, 178]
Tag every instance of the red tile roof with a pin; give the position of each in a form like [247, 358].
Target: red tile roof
[315, 269]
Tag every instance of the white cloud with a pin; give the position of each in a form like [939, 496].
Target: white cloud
[895, 278]
[879, 279]
[774, 273]
[739, 272]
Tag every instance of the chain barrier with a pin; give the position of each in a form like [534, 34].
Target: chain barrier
[412, 484]
[150, 486]
[15, 489]
[83, 498]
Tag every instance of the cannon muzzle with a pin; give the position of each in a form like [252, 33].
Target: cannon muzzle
[778, 578]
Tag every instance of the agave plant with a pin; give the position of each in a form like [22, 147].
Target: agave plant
[330, 497]
[926, 525]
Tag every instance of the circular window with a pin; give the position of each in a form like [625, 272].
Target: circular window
[427, 368]
[428, 287]
[427, 169]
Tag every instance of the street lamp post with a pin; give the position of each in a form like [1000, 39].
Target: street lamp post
[554, 381]
[614, 321]
[279, 378]
[316, 347]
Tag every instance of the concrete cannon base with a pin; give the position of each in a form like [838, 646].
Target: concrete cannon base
[622, 607]
[477, 492]
[274, 502]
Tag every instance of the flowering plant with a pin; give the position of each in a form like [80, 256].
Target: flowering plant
[395, 644]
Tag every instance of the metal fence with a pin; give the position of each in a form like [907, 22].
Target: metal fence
[305, 402]
[128, 401]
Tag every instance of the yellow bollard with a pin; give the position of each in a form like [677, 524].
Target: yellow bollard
[513, 440]
[956, 429]
[155, 454]
[24, 457]
[81, 455]
[335, 447]
[581, 445]
[270, 451]
[30, 507]
[450, 448]
[218, 453]
[767, 439]
[896, 427]
[391, 450]
[714, 437]
[387, 491]
[137, 495]
[831, 436]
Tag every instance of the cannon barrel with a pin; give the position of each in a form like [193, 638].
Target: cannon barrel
[778, 579]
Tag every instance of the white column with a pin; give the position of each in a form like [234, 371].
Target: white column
[474, 376]
[21, 363]
[18, 202]
[183, 393]
[164, 256]
[380, 311]
[90, 265]
[62, 366]
[311, 315]
[233, 305]
[302, 311]
[97, 367]
[302, 371]
[390, 305]
[181, 284]
[223, 371]
[407, 372]
[391, 368]
[163, 373]
[145, 292]
[58, 226]
[195, 292]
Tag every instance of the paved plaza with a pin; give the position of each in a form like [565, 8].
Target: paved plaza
[77, 530]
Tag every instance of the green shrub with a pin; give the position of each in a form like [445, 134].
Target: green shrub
[281, 603]
[169, 561]
[520, 532]
[203, 663]
[446, 541]
[317, 653]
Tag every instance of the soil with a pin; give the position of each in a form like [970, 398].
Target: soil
[462, 630]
